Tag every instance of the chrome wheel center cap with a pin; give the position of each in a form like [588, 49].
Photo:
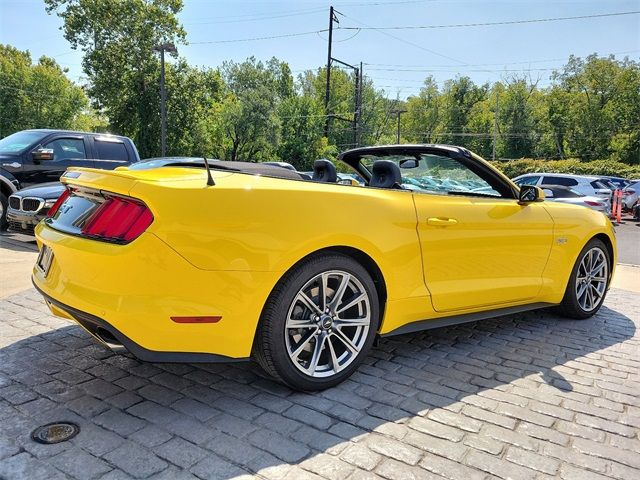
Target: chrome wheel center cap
[326, 322]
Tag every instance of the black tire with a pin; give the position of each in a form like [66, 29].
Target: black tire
[270, 345]
[4, 204]
[570, 306]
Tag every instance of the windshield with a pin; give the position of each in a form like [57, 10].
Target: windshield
[436, 174]
[18, 142]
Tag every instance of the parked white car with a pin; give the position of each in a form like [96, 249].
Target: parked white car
[557, 193]
[587, 185]
[630, 194]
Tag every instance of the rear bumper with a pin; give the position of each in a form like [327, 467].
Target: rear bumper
[112, 338]
[132, 291]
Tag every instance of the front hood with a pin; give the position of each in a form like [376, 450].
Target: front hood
[48, 191]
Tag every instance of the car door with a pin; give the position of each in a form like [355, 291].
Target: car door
[69, 150]
[480, 247]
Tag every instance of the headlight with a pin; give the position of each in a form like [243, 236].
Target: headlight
[49, 203]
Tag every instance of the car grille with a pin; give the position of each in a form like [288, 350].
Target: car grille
[31, 204]
[17, 227]
[14, 202]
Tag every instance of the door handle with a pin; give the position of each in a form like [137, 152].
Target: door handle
[441, 221]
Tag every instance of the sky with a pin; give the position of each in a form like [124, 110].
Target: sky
[396, 60]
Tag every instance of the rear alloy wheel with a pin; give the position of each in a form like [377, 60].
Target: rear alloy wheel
[319, 323]
[589, 281]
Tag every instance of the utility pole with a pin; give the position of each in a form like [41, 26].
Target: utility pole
[359, 107]
[495, 125]
[358, 85]
[356, 105]
[398, 113]
[164, 47]
[328, 89]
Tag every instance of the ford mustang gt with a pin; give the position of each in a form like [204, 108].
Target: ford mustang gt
[202, 261]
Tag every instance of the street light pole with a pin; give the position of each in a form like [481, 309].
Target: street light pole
[164, 47]
[398, 113]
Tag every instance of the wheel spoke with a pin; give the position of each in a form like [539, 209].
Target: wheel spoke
[310, 304]
[581, 291]
[322, 294]
[301, 323]
[337, 297]
[352, 322]
[337, 333]
[351, 303]
[302, 345]
[589, 297]
[332, 351]
[317, 351]
[595, 270]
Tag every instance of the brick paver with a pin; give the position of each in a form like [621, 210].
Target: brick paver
[527, 396]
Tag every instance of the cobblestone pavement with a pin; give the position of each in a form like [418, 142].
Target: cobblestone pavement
[530, 396]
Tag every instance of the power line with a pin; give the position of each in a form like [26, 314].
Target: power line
[266, 14]
[400, 39]
[490, 24]
[375, 4]
[259, 19]
[427, 70]
[522, 62]
[287, 35]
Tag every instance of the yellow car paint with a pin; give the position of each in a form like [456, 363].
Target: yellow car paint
[220, 250]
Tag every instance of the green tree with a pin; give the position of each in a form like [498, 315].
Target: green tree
[38, 95]
[421, 121]
[117, 40]
[458, 99]
[302, 122]
[248, 113]
[601, 101]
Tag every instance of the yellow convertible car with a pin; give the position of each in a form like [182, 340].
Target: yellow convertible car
[188, 260]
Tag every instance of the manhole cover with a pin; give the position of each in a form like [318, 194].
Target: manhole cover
[55, 432]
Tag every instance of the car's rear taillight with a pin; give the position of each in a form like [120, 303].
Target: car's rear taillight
[52, 211]
[118, 219]
[628, 192]
[593, 204]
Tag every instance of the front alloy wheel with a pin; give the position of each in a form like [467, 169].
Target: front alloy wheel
[588, 282]
[591, 281]
[319, 323]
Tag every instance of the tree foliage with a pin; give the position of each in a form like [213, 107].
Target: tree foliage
[39, 95]
[254, 110]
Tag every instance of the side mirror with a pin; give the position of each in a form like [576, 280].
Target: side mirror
[547, 193]
[530, 194]
[408, 163]
[43, 154]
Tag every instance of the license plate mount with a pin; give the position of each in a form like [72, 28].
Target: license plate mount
[45, 259]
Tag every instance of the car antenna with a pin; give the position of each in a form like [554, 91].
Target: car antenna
[210, 181]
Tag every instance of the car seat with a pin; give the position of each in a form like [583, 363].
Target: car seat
[324, 171]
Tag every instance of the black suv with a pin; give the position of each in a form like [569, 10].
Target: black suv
[34, 157]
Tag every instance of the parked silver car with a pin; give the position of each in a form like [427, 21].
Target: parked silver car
[630, 194]
[587, 185]
[558, 193]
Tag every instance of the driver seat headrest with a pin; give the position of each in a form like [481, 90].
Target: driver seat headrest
[324, 171]
[385, 174]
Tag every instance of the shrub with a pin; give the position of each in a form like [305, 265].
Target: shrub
[513, 168]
